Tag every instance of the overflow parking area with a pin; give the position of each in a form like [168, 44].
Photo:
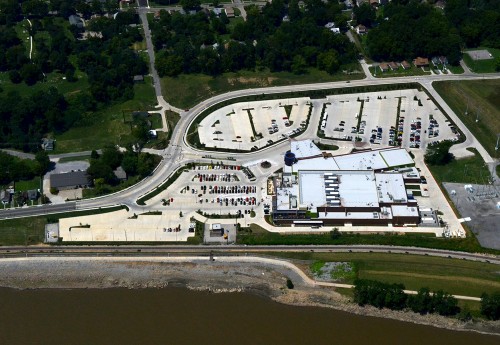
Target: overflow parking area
[247, 125]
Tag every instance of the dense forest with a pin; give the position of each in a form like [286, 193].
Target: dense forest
[406, 29]
[280, 37]
[107, 60]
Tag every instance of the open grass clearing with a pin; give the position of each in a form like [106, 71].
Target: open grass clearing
[464, 170]
[482, 66]
[481, 100]
[193, 88]
[400, 72]
[460, 277]
[22, 186]
[106, 126]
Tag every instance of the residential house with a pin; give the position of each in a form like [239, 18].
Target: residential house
[443, 60]
[217, 11]
[48, 144]
[138, 78]
[5, 196]
[435, 61]
[421, 62]
[153, 134]
[120, 174]
[229, 12]
[32, 194]
[69, 180]
[393, 66]
[361, 29]
[405, 65]
[76, 21]
[384, 67]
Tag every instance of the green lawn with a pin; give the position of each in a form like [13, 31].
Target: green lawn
[400, 72]
[193, 88]
[22, 186]
[106, 126]
[482, 95]
[255, 235]
[482, 66]
[465, 170]
[155, 120]
[74, 159]
[461, 277]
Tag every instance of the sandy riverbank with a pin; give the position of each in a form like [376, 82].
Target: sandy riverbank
[263, 278]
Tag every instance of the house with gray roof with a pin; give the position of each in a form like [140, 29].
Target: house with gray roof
[69, 180]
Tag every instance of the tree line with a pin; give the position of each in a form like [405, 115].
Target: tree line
[280, 36]
[17, 169]
[108, 61]
[392, 296]
[405, 29]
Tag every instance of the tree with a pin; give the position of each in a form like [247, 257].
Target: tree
[421, 302]
[43, 162]
[98, 169]
[129, 163]
[439, 154]
[365, 14]
[31, 74]
[111, 156]
[289, 284]
[189, 5]
[299, 64]
[169, 65]
[328, 61]
[490, 305]
[15, 76]
[335, 234]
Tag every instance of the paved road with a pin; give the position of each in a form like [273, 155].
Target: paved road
[37, 210]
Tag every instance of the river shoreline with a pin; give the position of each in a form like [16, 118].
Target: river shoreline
[265, 279]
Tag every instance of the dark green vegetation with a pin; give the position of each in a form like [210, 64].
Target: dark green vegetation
[16, 169]
[328, 147]
[459, 277]
[200, 44]
[481, 100]
[30, 231]
[72, 78]
[136, 166]
[490, 306]
[260, 236]
[406, 29]
[439, 154]
[392, 296]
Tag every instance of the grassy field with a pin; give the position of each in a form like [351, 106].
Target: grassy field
[482, 66]
[475, 95]
[255, 235]
[400, 72]
[155, 121]
[465, 170]
[74, 159]
[27, 185]
[106, 126]
[193, 88]
[455, 276]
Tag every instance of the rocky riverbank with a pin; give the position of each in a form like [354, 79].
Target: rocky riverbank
[265, 279]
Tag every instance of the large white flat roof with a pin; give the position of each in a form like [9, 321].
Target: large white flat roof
[396, 157]
[391, 188]
[312, 189]
[357, 189]
[404, 211]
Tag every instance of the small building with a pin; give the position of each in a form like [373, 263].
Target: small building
[443, 60]
[393, 66]
[32, 194]
[138, 78]
[405, 65]
[153, 134]
[217, 11]
[335, 30]
[421, 62]
[120, 174]
[69, 180]
[48, 144]
[384, 67]
[229, 12]
[5, 196]
[76, 21]
[361, 29]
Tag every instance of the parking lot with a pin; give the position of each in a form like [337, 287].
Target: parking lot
[420, 122]
[243, 126]
[215, 190]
